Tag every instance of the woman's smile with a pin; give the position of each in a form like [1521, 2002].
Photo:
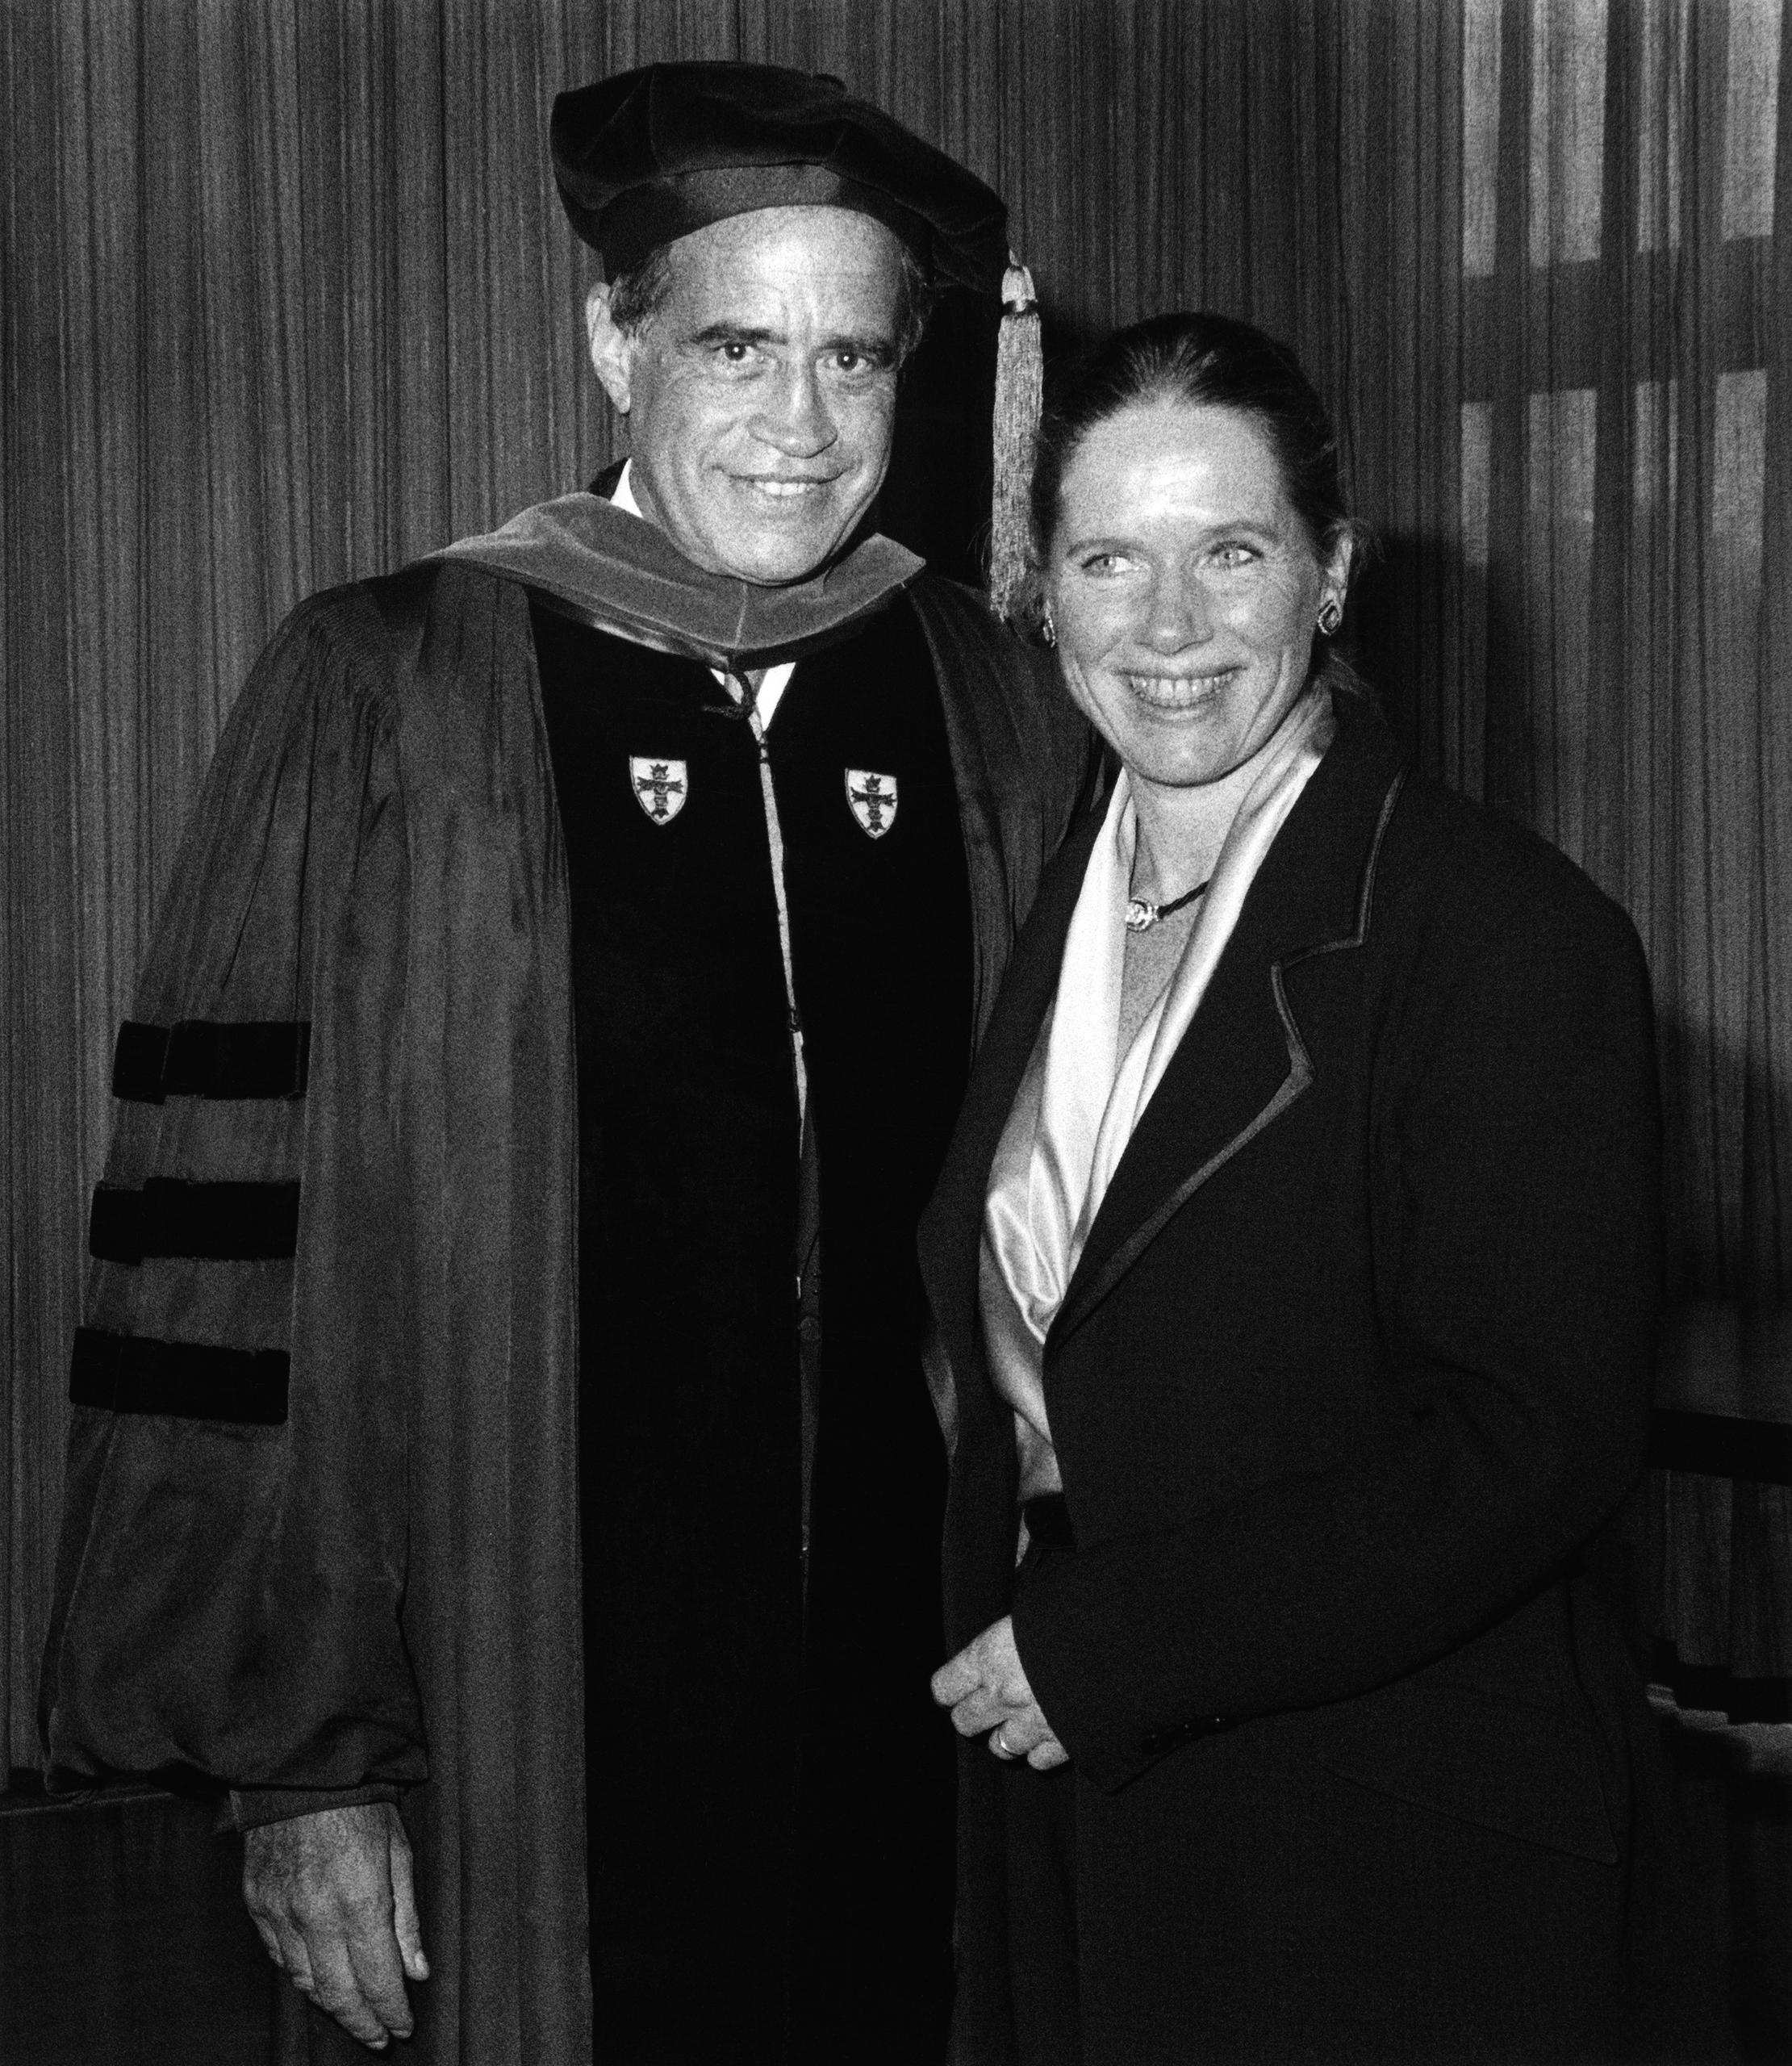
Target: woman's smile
[1171, 693]
[1184, 589]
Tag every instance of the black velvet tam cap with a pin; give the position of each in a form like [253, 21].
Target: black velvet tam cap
[654, 154]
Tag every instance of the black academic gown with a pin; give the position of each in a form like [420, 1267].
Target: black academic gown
[762, 1554]
[321, 1526]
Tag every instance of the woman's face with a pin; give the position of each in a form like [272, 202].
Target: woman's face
[1185, 589]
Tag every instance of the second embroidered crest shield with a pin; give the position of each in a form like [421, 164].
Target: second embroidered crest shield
[660, 787]
[872, 800]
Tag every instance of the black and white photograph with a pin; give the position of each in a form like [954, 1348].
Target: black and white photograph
[896, 1032]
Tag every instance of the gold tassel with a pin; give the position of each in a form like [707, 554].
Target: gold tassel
[1020, 382]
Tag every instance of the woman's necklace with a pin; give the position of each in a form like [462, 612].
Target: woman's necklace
[1141, 915]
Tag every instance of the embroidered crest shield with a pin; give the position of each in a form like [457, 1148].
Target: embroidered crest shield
[660, 787]
[872, 800]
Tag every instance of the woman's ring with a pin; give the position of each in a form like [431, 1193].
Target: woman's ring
[1002, 1750]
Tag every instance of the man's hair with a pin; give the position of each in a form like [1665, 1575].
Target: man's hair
[638, 295]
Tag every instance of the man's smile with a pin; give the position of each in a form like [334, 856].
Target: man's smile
[781, 488]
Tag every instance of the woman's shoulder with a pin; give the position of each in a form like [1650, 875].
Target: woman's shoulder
[1458, 872]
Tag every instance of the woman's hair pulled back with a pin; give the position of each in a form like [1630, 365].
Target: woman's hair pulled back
[1204, 361]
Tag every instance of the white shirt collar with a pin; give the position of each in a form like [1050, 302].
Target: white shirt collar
[624, 494]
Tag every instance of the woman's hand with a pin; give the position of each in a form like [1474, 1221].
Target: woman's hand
[985, 1687]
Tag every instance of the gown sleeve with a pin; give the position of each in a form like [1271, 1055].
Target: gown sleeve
[232, 1559]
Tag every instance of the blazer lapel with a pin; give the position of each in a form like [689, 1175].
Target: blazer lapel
[1242, 1063]
[951, 1228]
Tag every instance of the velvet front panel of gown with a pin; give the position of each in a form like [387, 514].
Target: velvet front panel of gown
[689, 1435]
[769, 1790]
[880, 924]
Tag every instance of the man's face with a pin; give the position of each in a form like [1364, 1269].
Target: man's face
[761, 398]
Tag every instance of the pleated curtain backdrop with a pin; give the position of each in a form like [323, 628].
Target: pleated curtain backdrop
[288, 299]
[1626, 231]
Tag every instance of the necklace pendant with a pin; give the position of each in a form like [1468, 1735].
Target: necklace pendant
[1140, 916]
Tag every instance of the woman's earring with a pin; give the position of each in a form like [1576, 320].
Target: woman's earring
[1332, 615]
[1048, 631]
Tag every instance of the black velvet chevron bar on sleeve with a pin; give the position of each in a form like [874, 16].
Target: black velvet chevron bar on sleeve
[185, 1380]
[210, 1058]
[1718, 1446]
[212, 1222]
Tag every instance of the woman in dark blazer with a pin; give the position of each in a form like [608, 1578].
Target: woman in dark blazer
[1296, 1264]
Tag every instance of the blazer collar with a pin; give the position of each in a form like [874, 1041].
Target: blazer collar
[1242, 1062]
[951, 1227]
[1308, 892]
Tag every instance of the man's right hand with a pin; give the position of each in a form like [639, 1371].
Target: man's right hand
[331, 1895]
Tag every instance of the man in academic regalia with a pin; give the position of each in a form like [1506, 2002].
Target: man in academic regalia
[501, 1437]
